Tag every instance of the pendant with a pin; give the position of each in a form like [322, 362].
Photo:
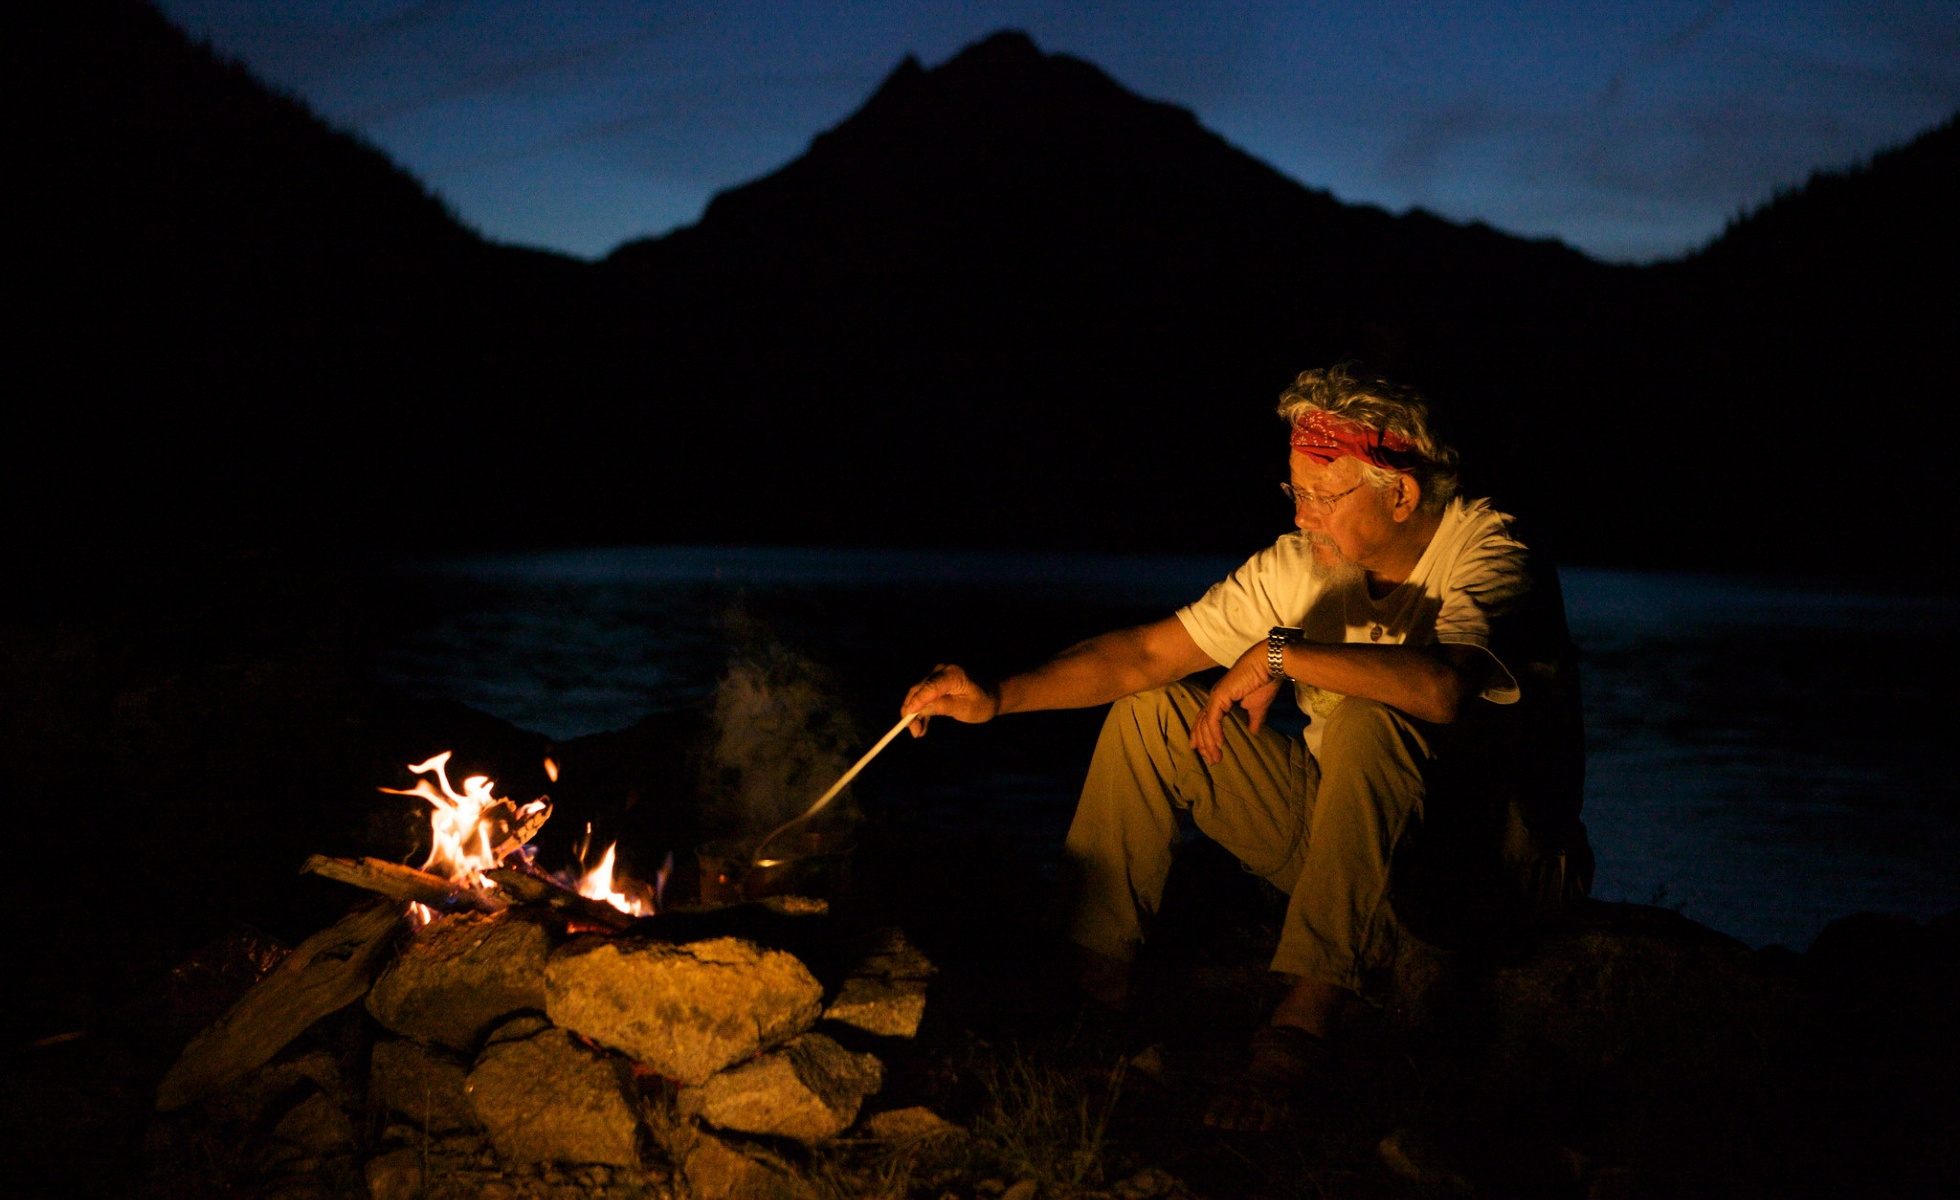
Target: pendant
[1375, 634]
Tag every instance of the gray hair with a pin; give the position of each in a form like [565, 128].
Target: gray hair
[1389, 408]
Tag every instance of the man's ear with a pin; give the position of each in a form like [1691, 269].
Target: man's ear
[1408, 494]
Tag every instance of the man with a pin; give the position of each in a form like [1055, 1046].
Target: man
[1438, 780]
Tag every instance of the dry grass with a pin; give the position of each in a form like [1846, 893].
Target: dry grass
[1047, 1124]
[1033, 1121]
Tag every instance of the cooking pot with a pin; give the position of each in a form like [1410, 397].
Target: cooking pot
[806, 862]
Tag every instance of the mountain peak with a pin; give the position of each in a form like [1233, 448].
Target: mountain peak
[1002, 73]
[1002, 48]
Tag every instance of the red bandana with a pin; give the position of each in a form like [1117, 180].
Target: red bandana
[1324, 437]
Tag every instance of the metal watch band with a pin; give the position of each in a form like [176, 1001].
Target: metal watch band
[1276, 651]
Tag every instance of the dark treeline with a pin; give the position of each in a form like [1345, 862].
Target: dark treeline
[1006, 303]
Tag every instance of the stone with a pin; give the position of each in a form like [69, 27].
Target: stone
[886, 1007]
[1640, 993]
[1151, 1183]
[891, 955]
[885, 993]
[518, 1028]
[684, 1011]
[809, 1089]
[422, 1084]
[720, 1169]
[462, 975]
[915, 1123]
[396, 1175]
[551, 1099]
[262, 1096]
[316, 1127]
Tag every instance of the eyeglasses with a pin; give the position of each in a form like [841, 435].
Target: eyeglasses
[1302, 498]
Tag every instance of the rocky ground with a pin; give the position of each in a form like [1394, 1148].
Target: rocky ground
[164, 780]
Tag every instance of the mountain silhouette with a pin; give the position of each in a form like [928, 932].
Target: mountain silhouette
[1075, 302]
[246, 325]
[1007, 302]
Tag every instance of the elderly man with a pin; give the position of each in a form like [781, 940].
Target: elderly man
[1438, 778]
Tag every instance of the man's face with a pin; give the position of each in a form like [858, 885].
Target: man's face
[1349, 522]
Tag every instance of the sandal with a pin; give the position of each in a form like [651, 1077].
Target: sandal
[1285, 1062]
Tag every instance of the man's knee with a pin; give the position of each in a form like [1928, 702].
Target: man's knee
[1361, 732]
[1174, 702]
[1156, 717]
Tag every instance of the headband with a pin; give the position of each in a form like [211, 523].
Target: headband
[1324, 437]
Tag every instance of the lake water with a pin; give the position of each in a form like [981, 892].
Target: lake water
[1764, 757]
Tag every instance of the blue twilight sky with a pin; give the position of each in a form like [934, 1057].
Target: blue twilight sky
[1630, 130]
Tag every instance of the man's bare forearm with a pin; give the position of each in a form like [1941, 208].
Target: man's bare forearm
[1106, 667]
[1428, 683]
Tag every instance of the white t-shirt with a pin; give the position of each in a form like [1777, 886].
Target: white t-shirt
[1472, 577]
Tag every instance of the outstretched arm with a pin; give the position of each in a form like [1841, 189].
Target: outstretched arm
[1104, 668]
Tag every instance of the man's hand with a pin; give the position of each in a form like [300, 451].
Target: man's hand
[950, 692]
[1247, 685]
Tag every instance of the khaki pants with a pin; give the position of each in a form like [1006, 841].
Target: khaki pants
[1325, 833]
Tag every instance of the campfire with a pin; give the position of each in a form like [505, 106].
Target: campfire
[568, 1017]
[482, 859]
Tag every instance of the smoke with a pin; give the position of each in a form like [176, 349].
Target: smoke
[780, 737]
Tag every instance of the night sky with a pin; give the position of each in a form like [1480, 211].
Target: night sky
[1632, 131]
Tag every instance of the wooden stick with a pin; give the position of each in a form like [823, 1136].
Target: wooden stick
[757, 860]
[526, 888]
[330, 970]
[403, 883]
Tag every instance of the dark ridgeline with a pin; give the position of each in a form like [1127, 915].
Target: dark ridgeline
[1027, 306]
[245, 327]
[1819, 333]
[1007, 302]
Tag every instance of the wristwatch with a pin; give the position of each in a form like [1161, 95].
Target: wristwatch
[1276, 650]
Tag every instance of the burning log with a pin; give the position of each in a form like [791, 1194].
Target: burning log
[526, 888]
[401, 883]
[329, 971]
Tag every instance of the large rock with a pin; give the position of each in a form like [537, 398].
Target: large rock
[424, 1085]
[886, 1007]
[461, 976]
[809, 1089]
[549, 1098]
[1708, 1067]
[1633, 990]
[722, 1168]
[909, 1126]
[885, 993]
[685, 1011]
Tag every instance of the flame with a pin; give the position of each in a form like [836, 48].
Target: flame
[471, 831]
[550, 768]
[597, 883]
[459, 839]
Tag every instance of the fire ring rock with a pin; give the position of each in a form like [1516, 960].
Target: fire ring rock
[809, 1089]
[550, 1099]
[685, 1011]
[462, 975]
[886, 992]
[421, 1084]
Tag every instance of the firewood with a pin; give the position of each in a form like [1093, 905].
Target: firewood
[328, 971]
[525, 828]
[400, 882]
[527, 888]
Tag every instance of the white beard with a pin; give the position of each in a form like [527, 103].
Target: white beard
[1336, 574]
